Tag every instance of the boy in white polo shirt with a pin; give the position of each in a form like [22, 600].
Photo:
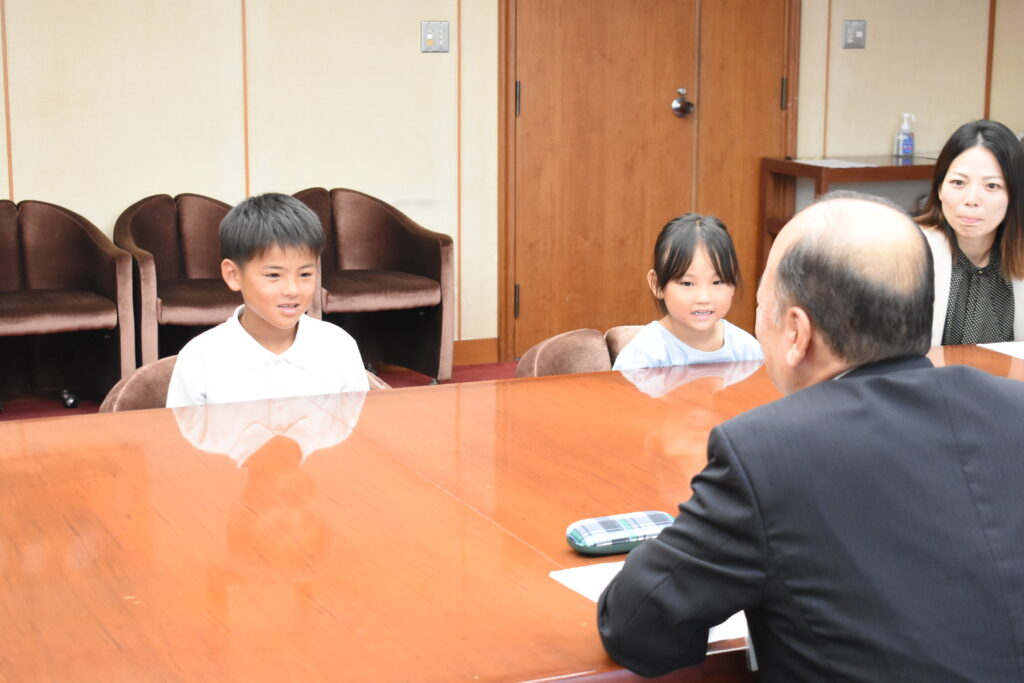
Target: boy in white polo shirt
[269, 348]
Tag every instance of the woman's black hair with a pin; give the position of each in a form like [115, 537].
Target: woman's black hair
[1007, 149]
[679, 240]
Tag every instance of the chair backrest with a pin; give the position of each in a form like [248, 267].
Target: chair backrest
[581, 350]
[199, 220]
[147, 387]
[618, 337]
[11, 267]
[319, 200]
[584, 350]
[181, 233]
[54, 241]
[368, 232]
[143, 389]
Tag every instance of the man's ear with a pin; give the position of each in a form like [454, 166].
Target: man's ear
[798, 331]
[232, 274]
[652, 282]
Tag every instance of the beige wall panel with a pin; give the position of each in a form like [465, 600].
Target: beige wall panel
[810, 127]
[1007, 104]
[117, 100]
[341, 96]
[906, 67]
[4, 176]
[479, 282]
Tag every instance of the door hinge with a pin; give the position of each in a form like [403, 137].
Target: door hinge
[784, 93]
[515, 305]
[517, 98]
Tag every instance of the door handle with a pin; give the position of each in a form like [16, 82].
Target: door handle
[682, 106]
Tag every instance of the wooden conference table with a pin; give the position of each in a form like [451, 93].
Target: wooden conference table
[238, 543]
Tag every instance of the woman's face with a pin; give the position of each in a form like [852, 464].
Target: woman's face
[973, 195]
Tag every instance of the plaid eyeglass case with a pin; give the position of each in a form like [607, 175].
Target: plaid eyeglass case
[615, 533]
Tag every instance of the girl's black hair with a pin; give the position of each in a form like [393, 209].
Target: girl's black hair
[679, 240]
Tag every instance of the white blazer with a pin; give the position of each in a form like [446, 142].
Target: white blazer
[942, 255]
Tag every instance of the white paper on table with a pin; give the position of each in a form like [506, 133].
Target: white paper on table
[1015, 349]
[835, 163]
[590, 580]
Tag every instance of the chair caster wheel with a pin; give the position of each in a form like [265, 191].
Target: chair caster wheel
[69, 399]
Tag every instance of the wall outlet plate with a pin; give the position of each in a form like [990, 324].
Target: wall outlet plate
[434, 36]
[855, 33]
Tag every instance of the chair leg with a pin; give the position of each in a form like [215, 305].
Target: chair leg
[69, 399]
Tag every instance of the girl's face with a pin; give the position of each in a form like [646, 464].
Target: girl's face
[973, 195]
[696, 301]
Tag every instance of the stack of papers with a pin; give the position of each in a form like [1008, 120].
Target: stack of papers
[1015, 349]
[590, 581]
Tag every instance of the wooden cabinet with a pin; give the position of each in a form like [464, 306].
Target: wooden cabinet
[778, 183]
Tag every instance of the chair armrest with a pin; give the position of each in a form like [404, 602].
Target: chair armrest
[124, 239]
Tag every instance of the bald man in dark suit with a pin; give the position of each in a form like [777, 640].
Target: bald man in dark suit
[871, 522]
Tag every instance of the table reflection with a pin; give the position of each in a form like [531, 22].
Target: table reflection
[656, 382]
[238, 430]
[276, 538]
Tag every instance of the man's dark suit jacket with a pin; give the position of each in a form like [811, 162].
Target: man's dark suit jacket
[872, 527]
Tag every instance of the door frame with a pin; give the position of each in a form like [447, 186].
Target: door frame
[507, 149]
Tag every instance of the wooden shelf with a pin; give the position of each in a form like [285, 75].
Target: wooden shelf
[778, 183]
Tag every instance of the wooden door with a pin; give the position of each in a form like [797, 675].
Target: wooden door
[601, 162]
[595, 162]
[746, 111]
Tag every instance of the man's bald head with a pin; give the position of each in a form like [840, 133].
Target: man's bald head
[862, 271]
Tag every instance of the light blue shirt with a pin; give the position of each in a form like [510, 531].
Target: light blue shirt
[656, 347]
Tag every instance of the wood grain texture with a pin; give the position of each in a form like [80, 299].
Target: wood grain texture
[408, 536]
[744, 56]
[601, 161]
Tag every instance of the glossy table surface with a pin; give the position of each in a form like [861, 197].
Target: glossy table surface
[400, 535]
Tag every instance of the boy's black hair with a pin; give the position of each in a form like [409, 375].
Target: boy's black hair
[265, 221]
[678, 242]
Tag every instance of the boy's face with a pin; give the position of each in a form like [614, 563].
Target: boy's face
[277, 287]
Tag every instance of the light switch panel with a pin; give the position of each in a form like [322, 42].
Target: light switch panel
[434, 36]
[855, 33]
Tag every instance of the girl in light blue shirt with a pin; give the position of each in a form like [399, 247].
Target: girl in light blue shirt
[694, 276]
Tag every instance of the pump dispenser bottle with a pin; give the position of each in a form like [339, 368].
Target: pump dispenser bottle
[903, 144]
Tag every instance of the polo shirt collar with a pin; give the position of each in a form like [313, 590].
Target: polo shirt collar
[254, 355]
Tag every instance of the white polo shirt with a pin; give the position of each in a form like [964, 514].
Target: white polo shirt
[226, 365]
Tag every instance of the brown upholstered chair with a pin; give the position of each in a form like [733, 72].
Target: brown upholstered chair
[60, 273]
[387, 280]
[175, 243]
[584, 350]
[146, 387]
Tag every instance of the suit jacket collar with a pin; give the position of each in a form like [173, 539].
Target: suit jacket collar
[891, 365]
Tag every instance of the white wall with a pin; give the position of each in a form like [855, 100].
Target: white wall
[1008, 65]
[923, 56]
[114, 101]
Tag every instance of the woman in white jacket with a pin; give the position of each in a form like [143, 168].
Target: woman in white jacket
[974, 223]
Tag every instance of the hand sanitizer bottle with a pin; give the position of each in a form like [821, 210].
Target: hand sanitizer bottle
[903, 144]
